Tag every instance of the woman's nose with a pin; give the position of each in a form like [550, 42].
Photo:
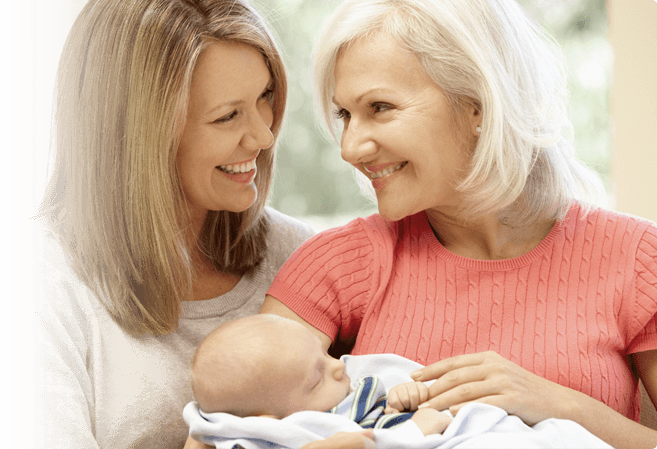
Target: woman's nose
[357, 146]
[259, 135]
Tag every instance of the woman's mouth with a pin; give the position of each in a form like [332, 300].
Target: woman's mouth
[388, 170]
[234, 169]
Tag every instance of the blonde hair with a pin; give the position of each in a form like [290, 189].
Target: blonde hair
[489, 54]
[115, 201]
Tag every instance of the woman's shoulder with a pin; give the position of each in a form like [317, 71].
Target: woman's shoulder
[373, 229]
[285, 235]
[67, 312]
[611, 219]
[620, 233]
[282, 225]
[52, 260]
[59, 291]
[363, 238]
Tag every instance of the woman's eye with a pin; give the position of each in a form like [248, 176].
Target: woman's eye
[268, 95]
[380, 107]
[341, 114]
[226, 118]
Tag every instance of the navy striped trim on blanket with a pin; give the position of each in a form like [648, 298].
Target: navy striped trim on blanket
[366, 408]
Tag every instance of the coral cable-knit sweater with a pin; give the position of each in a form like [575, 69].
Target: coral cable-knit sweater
[571, 310]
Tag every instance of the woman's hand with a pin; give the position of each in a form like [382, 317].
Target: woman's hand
[341, 440]
[345, 440]
[488, 378]
[193, 444]
[406, 397]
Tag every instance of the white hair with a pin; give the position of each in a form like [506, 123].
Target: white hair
[489, 54]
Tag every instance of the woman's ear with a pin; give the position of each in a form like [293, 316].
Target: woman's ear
[474, 118]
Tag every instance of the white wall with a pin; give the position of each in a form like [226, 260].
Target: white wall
[633, 36]
[32, 33]
[16, 137]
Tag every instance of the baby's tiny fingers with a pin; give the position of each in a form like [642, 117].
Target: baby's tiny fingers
[389, 410]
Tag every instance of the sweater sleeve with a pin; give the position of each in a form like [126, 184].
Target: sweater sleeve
[65, 389]
[645, 292]
[334, 276]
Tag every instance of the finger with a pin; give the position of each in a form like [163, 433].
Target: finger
[424, 392]
[438, 369]
[389, 410]
[496, 400]
[468, 392]
[415, 396]
[457, 377]
[393, 400]
[420, 395]
[402, 399]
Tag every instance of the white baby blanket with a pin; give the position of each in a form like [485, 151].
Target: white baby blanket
[475, 426]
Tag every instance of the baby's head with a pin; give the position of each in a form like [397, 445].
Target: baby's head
[266, 365]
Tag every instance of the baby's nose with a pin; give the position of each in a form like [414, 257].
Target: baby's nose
[339, 369]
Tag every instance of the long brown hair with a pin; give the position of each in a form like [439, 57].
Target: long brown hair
[115, 201]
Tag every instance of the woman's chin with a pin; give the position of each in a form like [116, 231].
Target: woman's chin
[392, 214]
[240, 203]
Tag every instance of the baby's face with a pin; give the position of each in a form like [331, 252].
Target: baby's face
[309, 378]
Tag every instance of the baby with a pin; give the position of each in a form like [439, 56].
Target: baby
[269, 366]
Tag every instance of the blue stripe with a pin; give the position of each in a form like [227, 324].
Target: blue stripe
[362, 409]
[393, 420]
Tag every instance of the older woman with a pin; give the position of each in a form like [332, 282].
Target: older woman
[166, 120]
[486, 261]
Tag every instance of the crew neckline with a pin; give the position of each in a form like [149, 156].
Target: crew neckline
[493, 265]
[234, 299]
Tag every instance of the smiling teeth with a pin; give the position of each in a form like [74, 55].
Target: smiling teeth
[387, 171]
[233, 169]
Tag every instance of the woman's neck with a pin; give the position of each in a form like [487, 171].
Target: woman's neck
[487, 238]
[207, 282]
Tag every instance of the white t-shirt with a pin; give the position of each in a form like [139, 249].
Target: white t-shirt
[100, 387]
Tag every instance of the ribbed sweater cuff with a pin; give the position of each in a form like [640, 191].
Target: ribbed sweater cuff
[305, 309]
[645, 344]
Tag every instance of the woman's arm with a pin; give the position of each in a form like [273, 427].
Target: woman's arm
[341, 440]
[275, 307]
[345, 440]
[64, 396]
[646, 363]
[488, 378]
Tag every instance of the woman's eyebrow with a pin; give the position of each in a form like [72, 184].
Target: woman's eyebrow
[232, 103]
[375, 89]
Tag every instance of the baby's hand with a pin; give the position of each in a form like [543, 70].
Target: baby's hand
[406, 397]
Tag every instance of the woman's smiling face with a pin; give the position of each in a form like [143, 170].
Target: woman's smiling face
[228, 124]
[399, 129]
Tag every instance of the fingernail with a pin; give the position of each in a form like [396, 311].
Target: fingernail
[369, 433]
[416, 374]
[423, 405]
